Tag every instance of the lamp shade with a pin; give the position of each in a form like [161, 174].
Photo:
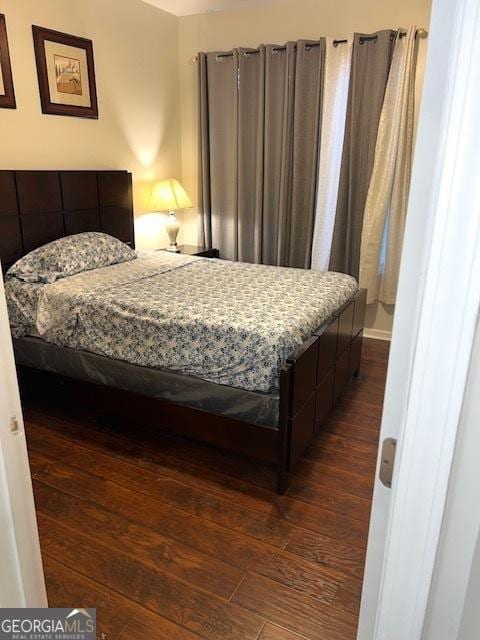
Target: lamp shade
[169, 195]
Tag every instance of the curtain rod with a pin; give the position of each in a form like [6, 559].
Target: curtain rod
[420, 33]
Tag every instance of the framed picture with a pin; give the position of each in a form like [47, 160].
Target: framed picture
[66, 73]
[7, 94]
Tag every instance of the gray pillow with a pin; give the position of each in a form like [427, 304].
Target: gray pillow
[67, 256]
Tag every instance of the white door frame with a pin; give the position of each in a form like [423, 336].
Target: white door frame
[453, 610]
[436, 314]
[21, 576]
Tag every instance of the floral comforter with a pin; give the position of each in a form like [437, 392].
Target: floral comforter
[230, 323]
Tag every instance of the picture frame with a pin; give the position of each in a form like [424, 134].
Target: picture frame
[66, 73]
[7, 92]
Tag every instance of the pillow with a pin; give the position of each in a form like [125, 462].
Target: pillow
[67, 256]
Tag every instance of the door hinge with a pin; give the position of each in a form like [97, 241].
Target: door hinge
[14, 426]
[389, 448]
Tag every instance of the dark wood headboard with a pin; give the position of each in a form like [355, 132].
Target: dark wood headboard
[37, 207]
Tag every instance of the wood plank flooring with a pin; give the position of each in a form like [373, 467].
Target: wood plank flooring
[174, 540]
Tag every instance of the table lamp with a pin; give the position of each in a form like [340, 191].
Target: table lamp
[169, 195]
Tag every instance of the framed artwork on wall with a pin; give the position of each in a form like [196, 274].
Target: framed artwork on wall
[66, 73]
[7, 93]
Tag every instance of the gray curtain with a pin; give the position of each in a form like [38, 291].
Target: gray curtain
[279, 90]
[371, 58]
[251, 128]
[259, 128]
[204, 191]
[306, 147]
[218, 151]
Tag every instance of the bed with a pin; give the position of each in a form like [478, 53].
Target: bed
[250, 358]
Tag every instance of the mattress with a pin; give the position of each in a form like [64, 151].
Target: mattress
[227, 323]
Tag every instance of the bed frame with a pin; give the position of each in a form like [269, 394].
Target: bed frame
[37, 207]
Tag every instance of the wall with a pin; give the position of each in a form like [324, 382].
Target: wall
[276, 24]
[136, 65]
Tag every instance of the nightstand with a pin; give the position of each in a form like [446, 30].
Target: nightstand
[192, 250]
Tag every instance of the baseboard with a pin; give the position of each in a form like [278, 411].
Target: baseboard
[377, 334]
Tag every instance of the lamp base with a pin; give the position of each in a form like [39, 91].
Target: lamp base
[172, 230]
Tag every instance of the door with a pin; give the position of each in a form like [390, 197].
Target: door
[21, 575]
[453, 610]
[437, 307]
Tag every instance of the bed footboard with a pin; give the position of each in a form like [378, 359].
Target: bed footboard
[313, 378]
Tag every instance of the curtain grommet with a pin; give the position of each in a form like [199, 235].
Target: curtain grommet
[363, 39]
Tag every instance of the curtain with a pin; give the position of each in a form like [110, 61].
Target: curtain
[259, 119]
[204, 191]
[279, 79]
[306, 139]
[218, 151]
[335, 95]
[251, 125]
[386, 205]
[371, 60]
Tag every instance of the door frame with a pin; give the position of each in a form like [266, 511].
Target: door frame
[22, 581]
[435, 319]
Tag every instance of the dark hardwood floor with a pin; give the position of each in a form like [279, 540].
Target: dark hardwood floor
[178, 541]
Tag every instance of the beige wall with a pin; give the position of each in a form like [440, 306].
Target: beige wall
[277, 24]
[136, 63]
